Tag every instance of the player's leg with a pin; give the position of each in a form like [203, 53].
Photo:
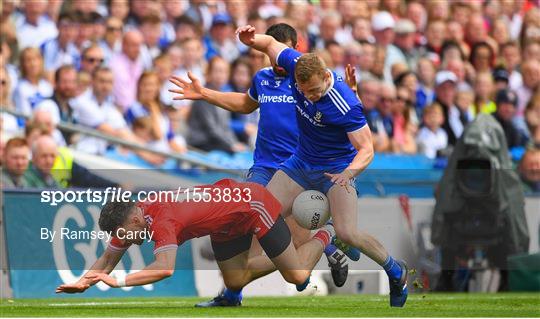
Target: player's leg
[344, 210]
[232, 259]
[295, 264]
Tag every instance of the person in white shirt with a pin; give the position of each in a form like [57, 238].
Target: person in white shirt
[96, 109]
[62, 49]
[43, 118]
[431, 138]
[32, 87]
[34, 27]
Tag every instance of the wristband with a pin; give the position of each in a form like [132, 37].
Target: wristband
[121, 281]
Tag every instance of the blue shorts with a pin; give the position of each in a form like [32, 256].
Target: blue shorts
[260, 175]
[311, 176]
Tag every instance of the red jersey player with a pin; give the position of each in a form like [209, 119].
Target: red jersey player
[231, 213]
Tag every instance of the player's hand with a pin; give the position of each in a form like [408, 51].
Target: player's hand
[187, 90]
[342, 179]
[108, 280]
[72, 288]
[350, 77]
[246, 34]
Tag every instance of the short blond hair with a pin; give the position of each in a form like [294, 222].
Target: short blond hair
[308, 65]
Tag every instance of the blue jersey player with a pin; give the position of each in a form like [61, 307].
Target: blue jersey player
[334, 146]
[277, 136]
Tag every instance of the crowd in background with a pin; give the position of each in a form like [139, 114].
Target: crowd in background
[425, 69]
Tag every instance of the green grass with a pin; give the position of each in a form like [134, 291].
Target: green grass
[418, 305]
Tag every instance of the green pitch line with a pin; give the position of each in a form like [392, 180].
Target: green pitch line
[418, 305]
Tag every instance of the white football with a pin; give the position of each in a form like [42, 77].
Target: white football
[311, 209]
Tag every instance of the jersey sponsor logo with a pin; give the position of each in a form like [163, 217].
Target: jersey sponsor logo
[308, 117]
[283, 98]
[318, 116]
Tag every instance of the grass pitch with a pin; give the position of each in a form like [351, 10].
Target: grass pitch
[418, 305]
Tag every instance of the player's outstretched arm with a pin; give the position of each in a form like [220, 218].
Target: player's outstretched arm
[104, 265]
[230, 101]
[261, 42]
[160, 269]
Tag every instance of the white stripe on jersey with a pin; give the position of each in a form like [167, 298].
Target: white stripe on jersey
[336, 103]
[340, 99]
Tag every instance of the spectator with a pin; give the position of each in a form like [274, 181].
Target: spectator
[243, 125]
[510, 59]
[366, 60]
[530, 71]
[529, 170]
[220, 41]
[148, 104]
[96, 109]
[111, 42]
[465, 101]
[435, 35]
[404, 41]
[426, 81]
[383, 25]
[361, 31]
[482, 57]
[91, 58]
[382, 119]
[16, 157]
[532, 118]
[32, 87]
[209, 126]
[8, 122]
[150, 29]
[445, 92]
[61, 50]
[65, 88]
[501, 77]
[483, 89]
[7, 64]
[44, 152]
[404, 131]
[44, 119]
[431, 137]
[173, 9]
[119, 9]
[506, 108]
[34, 27]
[531, 51]
[337, 56]
[127, 67]
[418, 15]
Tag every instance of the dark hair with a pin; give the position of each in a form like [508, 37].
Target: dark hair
[449, 44]
[479, 45]
[283, 32]
[114, 214]
[62, 69]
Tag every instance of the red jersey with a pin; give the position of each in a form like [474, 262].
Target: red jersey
[225, 210]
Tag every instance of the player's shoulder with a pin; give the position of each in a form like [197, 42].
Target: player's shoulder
[264, 74]
[341, 99]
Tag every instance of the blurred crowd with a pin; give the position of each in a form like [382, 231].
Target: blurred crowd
[425, 69]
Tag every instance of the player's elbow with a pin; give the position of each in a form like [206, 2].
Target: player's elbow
[165, 273]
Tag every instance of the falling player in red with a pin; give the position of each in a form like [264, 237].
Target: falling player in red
[230, 212]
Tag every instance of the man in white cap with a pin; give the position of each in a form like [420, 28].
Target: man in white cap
[445, 93]
[382, 25]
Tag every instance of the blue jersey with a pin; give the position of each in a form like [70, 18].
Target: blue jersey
[324, 124]
[277, 136]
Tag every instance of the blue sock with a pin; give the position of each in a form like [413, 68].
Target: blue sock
[330, 249]
[303, 286]
[392, 268]
[232, 295]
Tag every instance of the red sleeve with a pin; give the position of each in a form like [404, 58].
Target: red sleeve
[164, 237]
[117, 245]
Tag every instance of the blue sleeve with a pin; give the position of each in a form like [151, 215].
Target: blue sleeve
[346, 111]
[287, 59]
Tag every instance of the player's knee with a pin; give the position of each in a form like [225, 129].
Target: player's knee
[345, 234]
[295, 277]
